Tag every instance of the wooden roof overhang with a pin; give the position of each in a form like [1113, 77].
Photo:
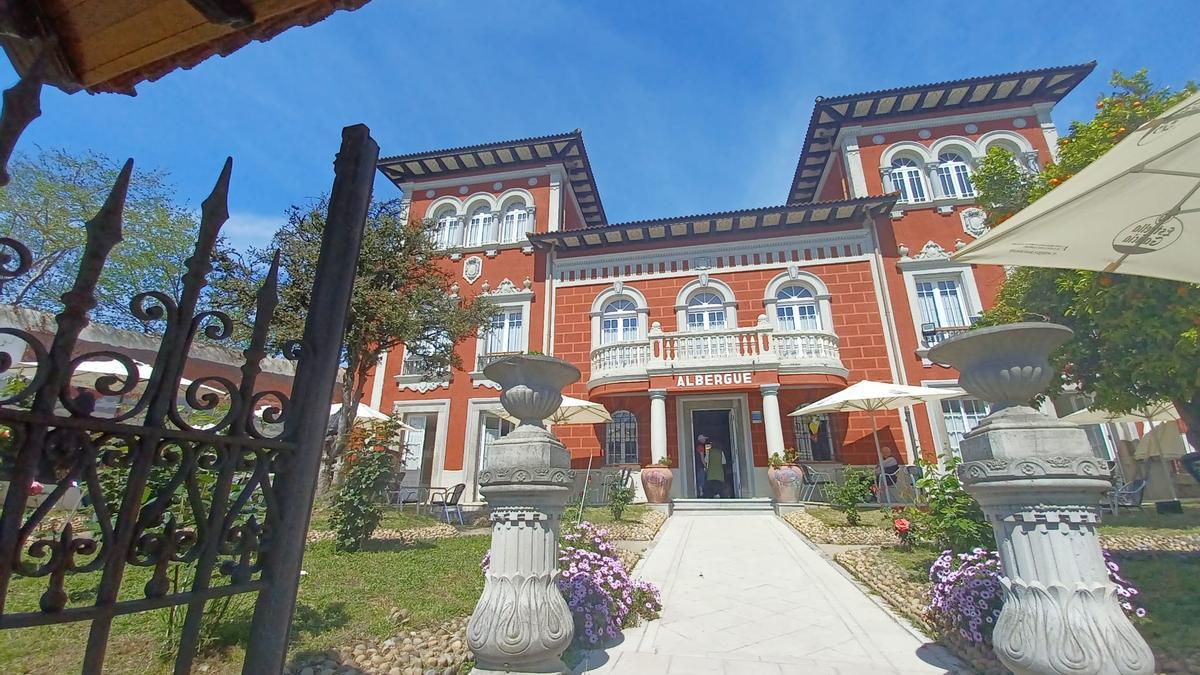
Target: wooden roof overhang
[671, 231]
[567, 149]
[831, 114]
[113, 45]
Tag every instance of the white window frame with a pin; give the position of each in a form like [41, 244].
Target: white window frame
[441, 408]
[503, 303]
[941, 298]
[625, 322]
[705, 284]
[794, 276]
[914, 270]
[618, 290]
[707, 313]
[954, 175]
[911, 177]
[800, 309]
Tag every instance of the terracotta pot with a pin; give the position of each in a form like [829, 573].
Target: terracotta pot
[786, 483]
[656, 481]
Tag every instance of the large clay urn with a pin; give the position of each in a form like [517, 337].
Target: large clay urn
[656, 482]
[787, 483]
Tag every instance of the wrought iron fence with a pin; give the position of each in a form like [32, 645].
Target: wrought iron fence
[162, 491]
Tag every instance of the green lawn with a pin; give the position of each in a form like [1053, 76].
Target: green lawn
[343, 598]
[1146, 521]
[872, 517]
[393, 519]
[600, 515]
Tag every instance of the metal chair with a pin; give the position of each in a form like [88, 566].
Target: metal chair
[812, 481]
[403, 496]
[1130, 496]
[448, 499]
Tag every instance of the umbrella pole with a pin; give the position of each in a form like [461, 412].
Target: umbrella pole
[583, 495]
[883, 484]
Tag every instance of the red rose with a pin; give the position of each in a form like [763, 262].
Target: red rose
[901, 525]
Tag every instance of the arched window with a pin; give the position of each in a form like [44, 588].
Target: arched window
[796, 309]
[480, 228]
[954, 176]
[705, 311]
[449, 228]
[619, 322]
[515, 223]
[620, 439]
[908, 181]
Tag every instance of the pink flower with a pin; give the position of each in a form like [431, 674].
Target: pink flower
[36, 488]
[901, 525]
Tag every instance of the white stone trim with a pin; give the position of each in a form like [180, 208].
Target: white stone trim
[442, 407]
[795, 276]
[852, 158]
[507, 196]
[531, 172]
[684, 485]
[891, 338]
[1049, 131]
[1003, 135]
[554, 220]
[937, 422]
[619, 290]
[475, 408]
[922, 151]
[706, 283]
[378, 380]
[966, 145]
[660, 263]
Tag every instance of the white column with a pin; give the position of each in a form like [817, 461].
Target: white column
[773, 426]
[658, 424]
[855, 175]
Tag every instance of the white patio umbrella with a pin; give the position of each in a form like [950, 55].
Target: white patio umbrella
[573, 411]
[870, 397]
[1135, 210]
[1158, 441]
[89, 372]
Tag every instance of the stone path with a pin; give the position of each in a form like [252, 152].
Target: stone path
[744, 593]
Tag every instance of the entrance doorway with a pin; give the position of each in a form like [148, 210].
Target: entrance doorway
[717, 426]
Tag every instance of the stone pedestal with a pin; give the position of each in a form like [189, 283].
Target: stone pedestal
[522, 624]
[1040, 486]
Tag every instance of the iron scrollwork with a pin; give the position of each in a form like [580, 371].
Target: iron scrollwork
[181, 474]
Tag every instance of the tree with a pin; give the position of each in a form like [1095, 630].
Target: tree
[53, 193]
[400, 297]
[1137, 339]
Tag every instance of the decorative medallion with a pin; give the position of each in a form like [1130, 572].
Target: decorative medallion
[702, 263]
[931, 251]
[924, 133]
[472, 269]
[974, 221]
[878, 138]
[1019, 123]
[429, 194]
[971, 128]
[462, 190]
[532, 182]
[497, 186]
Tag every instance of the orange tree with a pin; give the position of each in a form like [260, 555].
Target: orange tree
[1137, 339]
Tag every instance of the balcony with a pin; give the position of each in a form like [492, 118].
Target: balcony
[932, 334]
[761, 347]
[485, 360]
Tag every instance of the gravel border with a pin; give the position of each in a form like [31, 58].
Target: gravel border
[815, 529]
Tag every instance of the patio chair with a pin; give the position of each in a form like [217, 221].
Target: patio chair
[448, 500]
[1130, 496]
[407, 495]
[812, 481]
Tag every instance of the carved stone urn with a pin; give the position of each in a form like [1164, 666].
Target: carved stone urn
[522, 624]
[787, 482]
[1040, 486]
[656, 483]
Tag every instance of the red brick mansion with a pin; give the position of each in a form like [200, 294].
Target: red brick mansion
[723, 323]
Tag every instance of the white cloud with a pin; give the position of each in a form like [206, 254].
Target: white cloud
[244, 229]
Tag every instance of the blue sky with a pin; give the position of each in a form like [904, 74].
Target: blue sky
[686, 107]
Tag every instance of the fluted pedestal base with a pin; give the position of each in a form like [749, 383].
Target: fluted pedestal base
[1061, 614]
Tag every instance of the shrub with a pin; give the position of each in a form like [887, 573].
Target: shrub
[355, 510]
[950, 518]
[597, 587]
[967, 594]
[620, 496]
[854, 490]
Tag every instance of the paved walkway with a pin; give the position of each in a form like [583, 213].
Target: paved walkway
[744, 593]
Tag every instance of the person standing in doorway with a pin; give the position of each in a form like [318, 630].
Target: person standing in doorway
[701, 466]
[716, 471]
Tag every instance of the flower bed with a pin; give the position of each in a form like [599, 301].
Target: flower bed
[818, 531]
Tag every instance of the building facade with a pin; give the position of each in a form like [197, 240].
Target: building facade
[724, 323]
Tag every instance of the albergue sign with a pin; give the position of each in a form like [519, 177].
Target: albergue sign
[713, 379]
